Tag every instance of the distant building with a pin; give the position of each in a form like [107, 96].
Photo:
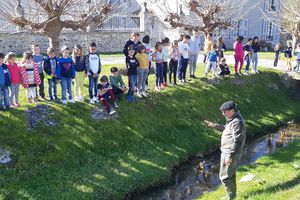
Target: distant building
[146, 18]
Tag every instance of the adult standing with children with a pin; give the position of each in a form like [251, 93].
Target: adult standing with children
[195, 46]
[232, 144]
[133, 41]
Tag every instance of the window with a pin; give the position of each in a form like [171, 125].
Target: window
[270, 5]
[268, 27]
[240, 28]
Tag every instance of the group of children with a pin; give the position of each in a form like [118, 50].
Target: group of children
[288, 54]
[171, 61]
[34, 69]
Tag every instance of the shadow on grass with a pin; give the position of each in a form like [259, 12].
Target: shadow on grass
[84, 158]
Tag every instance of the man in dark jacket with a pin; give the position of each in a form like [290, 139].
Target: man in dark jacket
[232, 143]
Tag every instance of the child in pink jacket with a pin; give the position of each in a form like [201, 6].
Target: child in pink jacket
[238, 54]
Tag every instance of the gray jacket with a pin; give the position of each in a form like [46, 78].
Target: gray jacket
[195, 45]
[234, 135]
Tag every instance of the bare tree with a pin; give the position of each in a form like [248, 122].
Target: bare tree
[289, 16]
[50, 17]
[206, 16]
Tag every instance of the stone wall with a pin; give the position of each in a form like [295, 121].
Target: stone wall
[106, 41]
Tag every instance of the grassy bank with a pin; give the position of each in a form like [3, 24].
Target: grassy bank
[275, 177]
[85, 159]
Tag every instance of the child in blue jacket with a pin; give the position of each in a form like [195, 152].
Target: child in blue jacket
[5, 82]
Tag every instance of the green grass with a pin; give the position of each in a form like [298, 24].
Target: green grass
[261, 55]
[86, 159]
[282, 180]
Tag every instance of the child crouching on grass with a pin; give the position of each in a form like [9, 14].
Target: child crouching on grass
[223, 68]
[30, 77]
[105, 93]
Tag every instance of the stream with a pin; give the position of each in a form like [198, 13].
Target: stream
[200, 174]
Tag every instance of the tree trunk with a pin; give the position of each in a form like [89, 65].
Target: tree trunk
[54, 42]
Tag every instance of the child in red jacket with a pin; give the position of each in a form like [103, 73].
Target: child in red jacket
[15, 79]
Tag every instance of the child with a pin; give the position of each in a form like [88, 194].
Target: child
[248, 55]
[78, 60]
[288, 54]
[174, 55]
[158, 69]
[66, 72]
[143, 71]
[38, 59]
[238, 55]
[93, 69]
[116, 81]
[223, 67]
[277, 50]
[165, 56]
[15, 78]
[132, 64]
[184, 58]
[212, 60]
[5, 82]
[50, 65]
[30, 77]
[104, 93]
[297, 54]
[221, 48]
[146, 43]
[255, 49]
[208, 45]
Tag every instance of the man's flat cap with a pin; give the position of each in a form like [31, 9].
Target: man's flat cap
[228, 105]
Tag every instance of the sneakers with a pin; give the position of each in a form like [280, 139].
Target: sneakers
[130, 99]
[96, 99]
[240, 74]
[144, 94]
[72, 101]
[1, 108]
[139, 94]
[111, 111]
[64, 102]
[247, 72]
[157, 89]
[92, 101]
[116, 105]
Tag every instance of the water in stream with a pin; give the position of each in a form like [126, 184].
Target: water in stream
[199, 175]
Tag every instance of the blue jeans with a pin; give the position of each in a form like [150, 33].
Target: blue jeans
[132, 83]
[193, 64]
[52, 88]
[4, 96]
[93, 86]
[142, 77]
[66, 86]
[182, 68]
[158, 69]
[247, 59]
[254, 61]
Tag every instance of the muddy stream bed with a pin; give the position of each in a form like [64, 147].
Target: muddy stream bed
[200, 174]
